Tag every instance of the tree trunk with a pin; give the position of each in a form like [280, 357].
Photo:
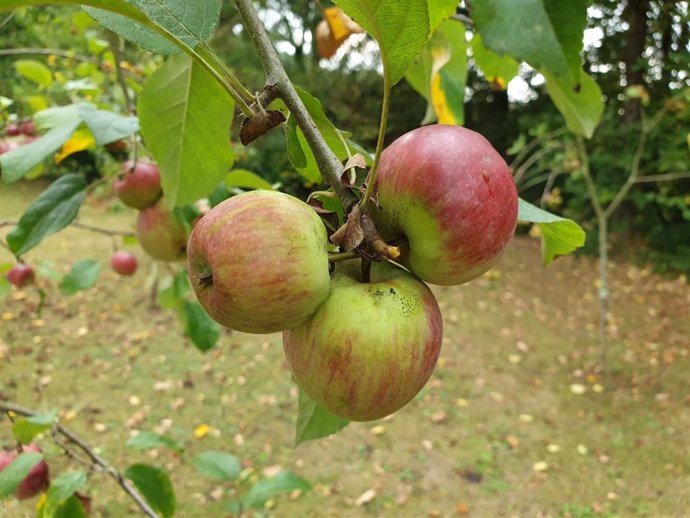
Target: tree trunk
[635, 14]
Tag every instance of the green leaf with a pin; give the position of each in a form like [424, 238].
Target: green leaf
[150, 441]
[218, 465]
[61, 489]
[283, 482]
[202, 329]
[5, 287]
[70, 508]
[498, 70]
[154, 484]
[82, 276]
[582, 108]
[294, 150]
[314, 421]
[133, 31]
[19, 162]
[12, 475]
[547, 34]
[326, 128]
[26, 429]
[440, 72]
[559, 236]
[246, 179]
[34, 71]
[172, 295]
[185, 119]
[439, 10]
[400, 28]
[52, 211]
[107, 126]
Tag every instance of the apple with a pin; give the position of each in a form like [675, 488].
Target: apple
[258, 262]
[12, 130]
[37, 479]
[160, 234]
[371, 346]
[28, 128]
[117, 146]
[21, 275]
[139, 185]
[124, 263]
[452, 196]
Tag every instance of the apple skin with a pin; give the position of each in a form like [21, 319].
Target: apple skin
[258, 262]
[36, 481]
[139, 185]
[451, 194]
[124, 263]
[28, 128]
[371, 347]
[12, 130]
[161, 235]
[21, 275]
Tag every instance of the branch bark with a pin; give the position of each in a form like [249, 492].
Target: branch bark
[96, 460]
[83, 226]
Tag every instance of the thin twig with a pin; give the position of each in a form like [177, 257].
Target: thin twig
[96, 459]
[662, 177]
[116, 47]
[524, 167]
[534, 143]
[83, 226]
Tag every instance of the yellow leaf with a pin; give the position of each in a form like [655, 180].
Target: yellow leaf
[80, 140]
[201, 431]
[540, 466]
[336, 22]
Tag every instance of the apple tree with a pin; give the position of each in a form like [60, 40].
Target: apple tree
[343, 273]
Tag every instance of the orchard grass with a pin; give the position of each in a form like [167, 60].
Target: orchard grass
[516, 419]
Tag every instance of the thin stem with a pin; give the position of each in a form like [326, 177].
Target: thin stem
[83, 226]
[371, 177]
[116, 48]
[342, 256]
[522, 170]
[668, 177]
[632, 178]
[366, 270]
[328, 163]
[96, 459]
[232, 79]
[534, 143]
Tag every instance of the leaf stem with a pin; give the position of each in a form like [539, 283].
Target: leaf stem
[371, 177]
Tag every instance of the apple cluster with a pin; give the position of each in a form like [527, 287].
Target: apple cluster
[360, 347]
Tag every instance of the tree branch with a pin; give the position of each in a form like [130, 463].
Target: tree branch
[97, 460]
[277, 78]
[83, 226]
[662, 177]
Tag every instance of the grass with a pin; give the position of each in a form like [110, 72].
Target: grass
[501, 429]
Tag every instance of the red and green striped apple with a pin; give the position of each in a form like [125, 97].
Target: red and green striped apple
[161, 235]
[258, 262]
[371, 346]
[452, 196]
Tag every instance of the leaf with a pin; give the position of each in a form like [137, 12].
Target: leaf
[5, 287]
[350, 235]
[202, 329]
[246, 179]
[70, 508]
[498, 70]
[185, 117]
[107, 126]
[439, 10]
[560, 236]
[81, 140]
[154, 484]
[19, 162]
[62, 488]
[150, 441]
[12, 475]
[294, 150]
[26, 429]
[582, 109]
[82, 276]
[52, 211]
[283, 482]
[400, 28]
[330, 133]
[34, 71]
[314, 421]
[218, 465]
[172, 295]
[439, 74]
[554, 28]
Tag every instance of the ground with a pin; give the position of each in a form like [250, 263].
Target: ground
[517, 420]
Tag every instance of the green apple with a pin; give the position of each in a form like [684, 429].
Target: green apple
[258, 262]
[371, 346]
[452, 196]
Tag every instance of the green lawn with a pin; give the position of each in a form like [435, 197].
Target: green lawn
[516, 420]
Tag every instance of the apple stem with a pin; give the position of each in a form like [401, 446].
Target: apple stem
[342, 256]
[366, 270]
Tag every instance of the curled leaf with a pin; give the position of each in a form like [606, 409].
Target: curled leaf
[350, 235]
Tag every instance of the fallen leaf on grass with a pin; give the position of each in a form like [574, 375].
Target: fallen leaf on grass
[365, 498]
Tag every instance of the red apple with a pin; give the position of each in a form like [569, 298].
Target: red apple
[258, 262]
[371, 346]
[160, 234]
[123, 263]
[449, 192]
[116, 147]
[37, 479]
[139, 185]
[21, 275]
[28, 128]
[12, 130]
